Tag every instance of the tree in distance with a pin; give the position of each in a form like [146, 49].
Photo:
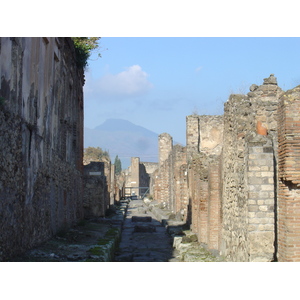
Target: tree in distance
[118, 165]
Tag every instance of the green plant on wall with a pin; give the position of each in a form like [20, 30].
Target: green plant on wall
[83, 47]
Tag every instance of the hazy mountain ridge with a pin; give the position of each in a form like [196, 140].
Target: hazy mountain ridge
[125, 139]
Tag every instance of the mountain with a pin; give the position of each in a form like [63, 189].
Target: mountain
[125, 139]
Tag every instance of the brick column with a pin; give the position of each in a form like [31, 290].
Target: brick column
[203, 211]
[214, 205]
[289, 176]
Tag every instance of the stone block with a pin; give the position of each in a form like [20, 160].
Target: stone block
[261, 214]
[252, 214]
[252, 195]
[265, 227]
[260, 202]
[255, 150]
[145, 228]
[252, 208]
[252, 227]
[263, 207]
[263, 195]
[253, 168]
[267, 187]
[267, 174]
[255, 181]
[141, 219]
[177, 241]
[262, 244]
[254, 220]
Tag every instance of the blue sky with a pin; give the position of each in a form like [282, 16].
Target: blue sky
[157, 82]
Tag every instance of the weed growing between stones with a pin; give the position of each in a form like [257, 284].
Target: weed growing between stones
[106, 246]
[97, 250]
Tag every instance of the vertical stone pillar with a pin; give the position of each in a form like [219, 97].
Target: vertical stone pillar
[135, 175]
[192, 135]
[94, 190]
[107, 172]
[261, 202]
[165, 144]
[113, 184]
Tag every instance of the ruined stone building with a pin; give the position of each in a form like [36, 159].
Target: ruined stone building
[137, 177]
[237, 180]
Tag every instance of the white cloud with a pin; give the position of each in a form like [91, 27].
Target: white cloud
[131, 82]
[198, 69]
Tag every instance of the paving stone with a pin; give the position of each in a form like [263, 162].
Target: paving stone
[143, 238]
[141, 219]
[144, 228]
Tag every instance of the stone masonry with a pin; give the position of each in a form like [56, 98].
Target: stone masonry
[169, 181]
[137, 176]
[242, 176]
[41, 148]
[96, 196]
[249, 152]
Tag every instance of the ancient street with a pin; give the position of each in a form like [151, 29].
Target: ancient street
[143, 237]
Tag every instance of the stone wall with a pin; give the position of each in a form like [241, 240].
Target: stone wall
[249, 167]
[169, 181]
[41, 148]
[96, 198]
[150, 167]
[137, 179]
[242, 176]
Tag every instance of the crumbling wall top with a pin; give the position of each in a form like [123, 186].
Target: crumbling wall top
[268, 91]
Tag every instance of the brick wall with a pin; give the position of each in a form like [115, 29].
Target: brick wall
[214, 204]
[169, 181]
[289, 176]
[204, 146]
